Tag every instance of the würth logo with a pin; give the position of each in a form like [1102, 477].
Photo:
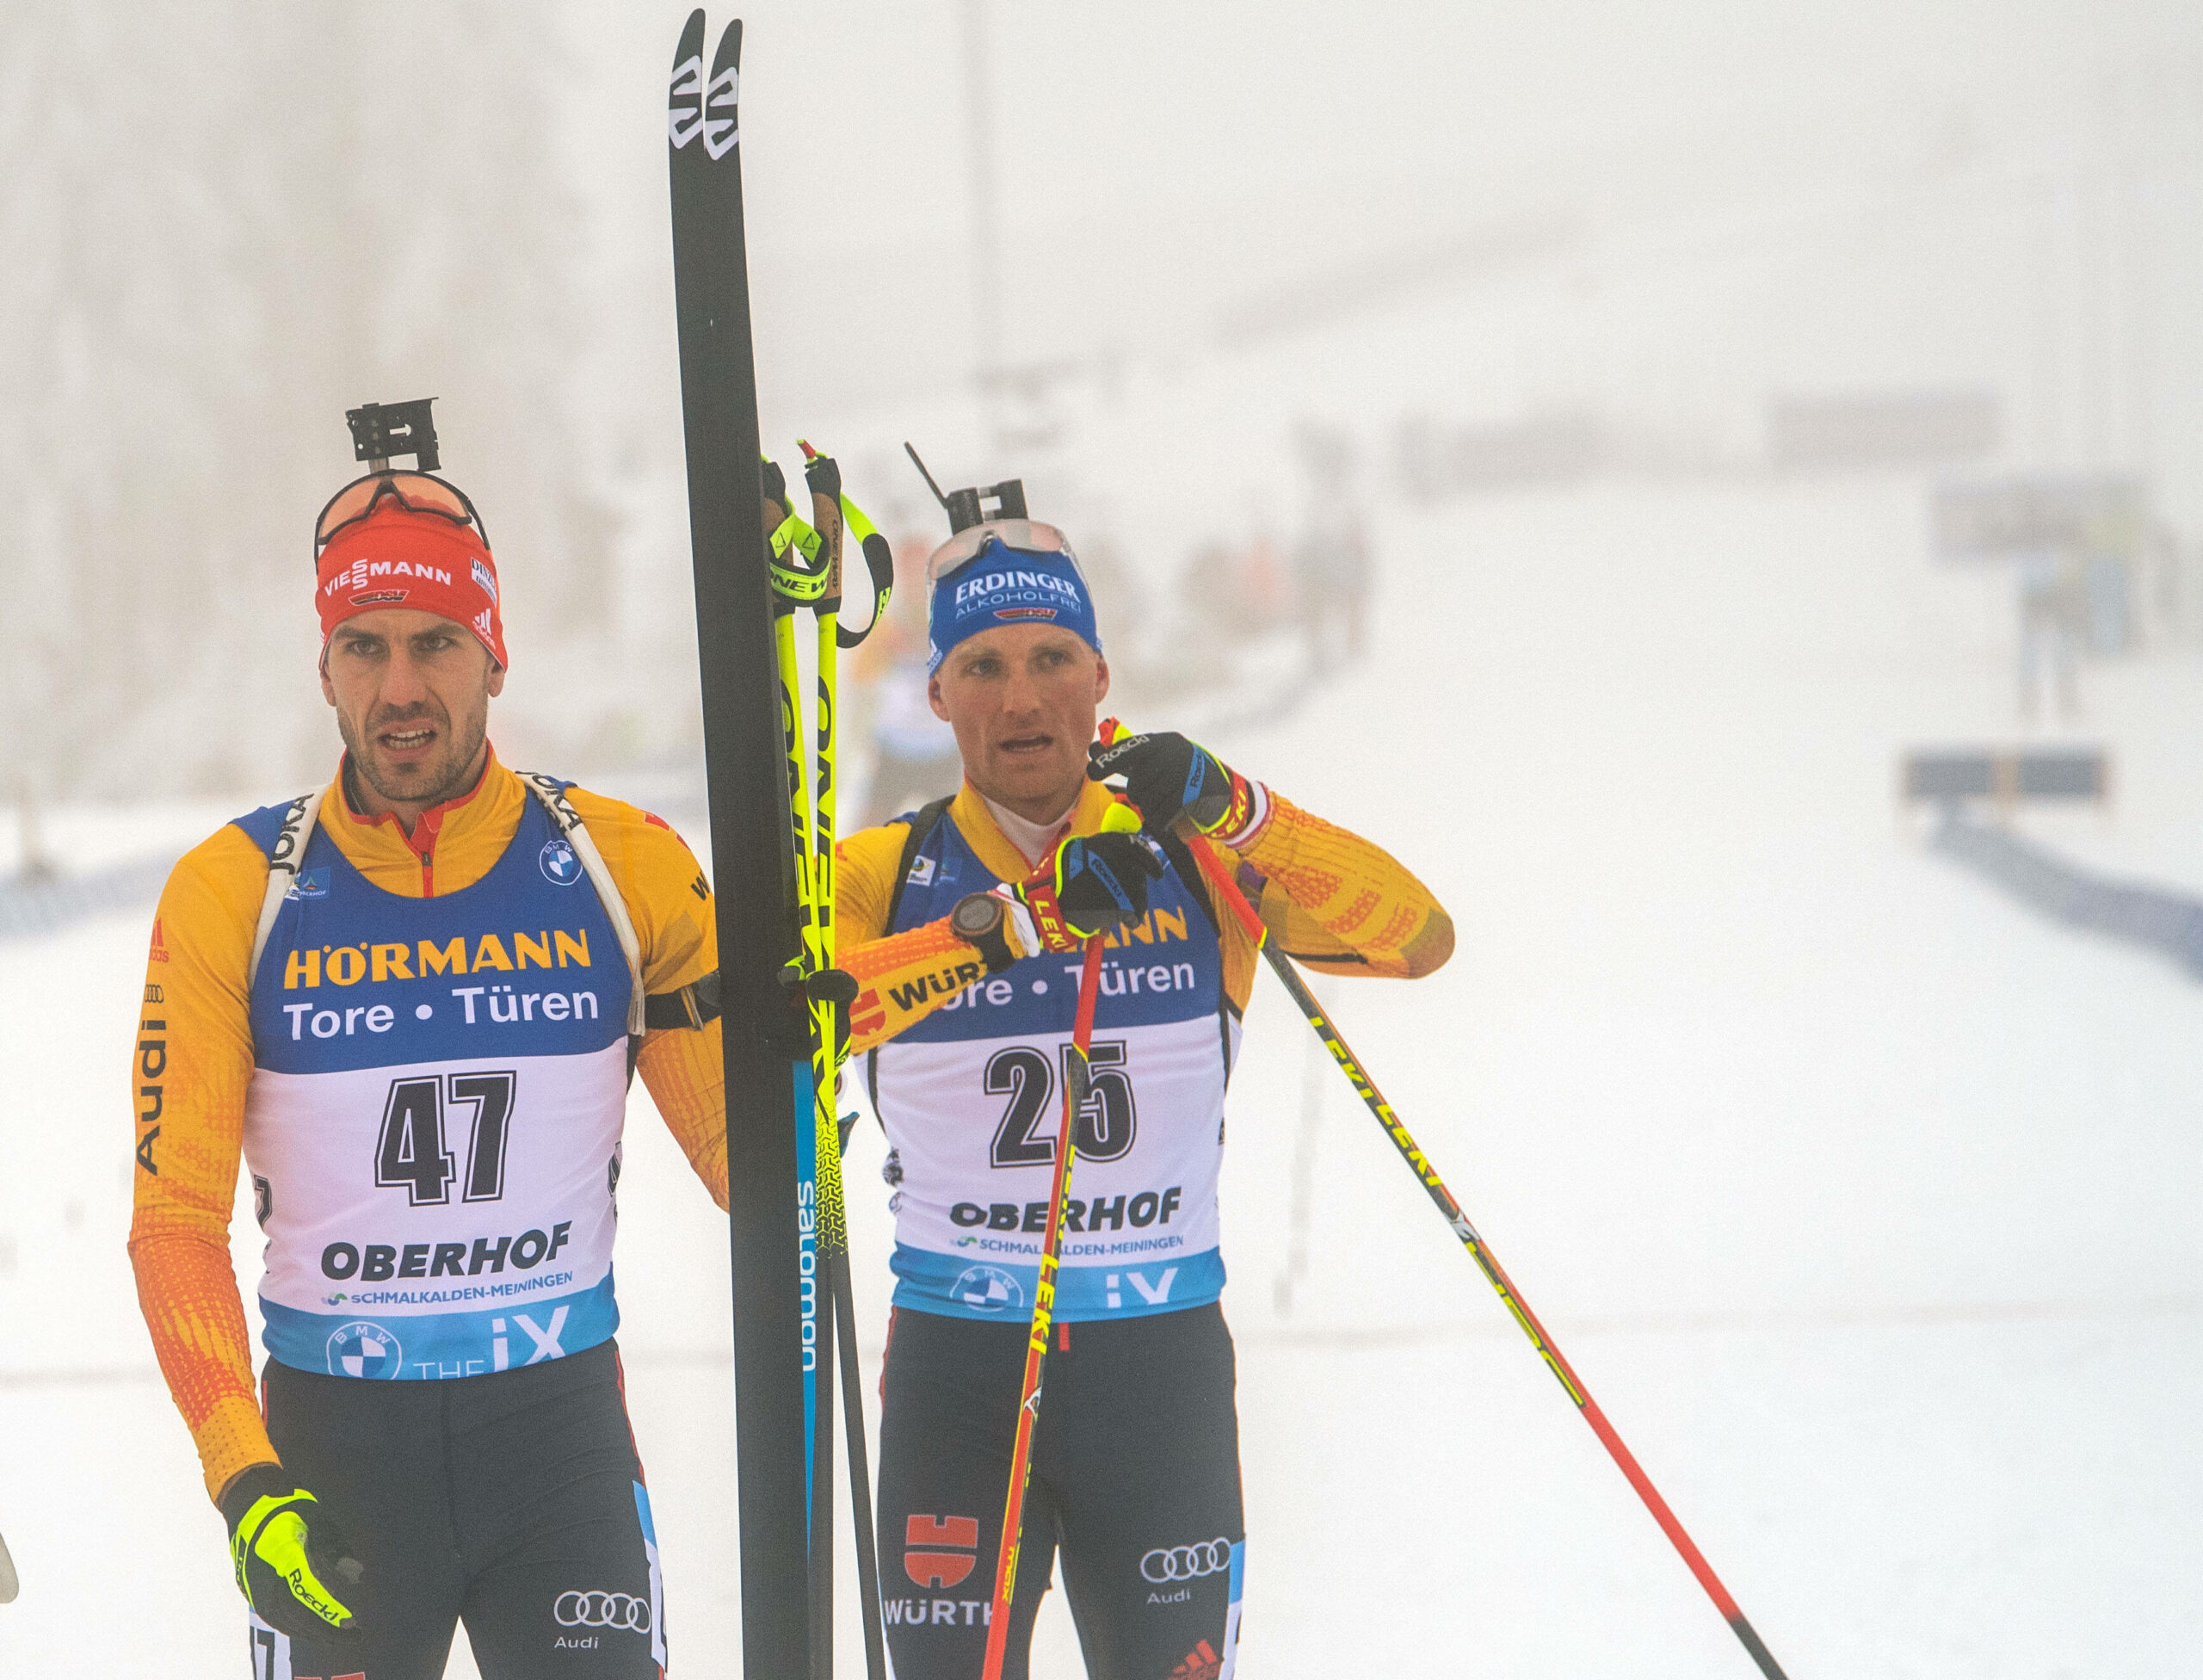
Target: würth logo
[865, 1015]
[928, 1566]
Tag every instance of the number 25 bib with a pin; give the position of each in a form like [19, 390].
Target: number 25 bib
[972, 1101]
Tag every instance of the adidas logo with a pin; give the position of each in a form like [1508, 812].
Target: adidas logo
[1201, 1662]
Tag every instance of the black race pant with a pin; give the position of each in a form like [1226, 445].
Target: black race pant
[512, 1501]
[1135, 1480]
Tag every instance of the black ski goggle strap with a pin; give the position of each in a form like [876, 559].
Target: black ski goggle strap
[417, 492]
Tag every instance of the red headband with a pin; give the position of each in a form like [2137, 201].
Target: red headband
[422, 561]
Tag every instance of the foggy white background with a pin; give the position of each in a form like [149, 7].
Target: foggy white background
[1862, 1196]
[1208, 223]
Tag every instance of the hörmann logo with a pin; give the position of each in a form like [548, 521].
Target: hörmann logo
[348, 965]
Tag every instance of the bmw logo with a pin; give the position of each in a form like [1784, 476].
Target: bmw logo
[987, 1289]
[361, 1350]
[561, 866]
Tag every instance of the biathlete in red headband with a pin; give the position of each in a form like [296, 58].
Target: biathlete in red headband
[413, 1001]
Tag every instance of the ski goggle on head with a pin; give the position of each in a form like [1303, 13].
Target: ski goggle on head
[1003, 573]
[417, 492]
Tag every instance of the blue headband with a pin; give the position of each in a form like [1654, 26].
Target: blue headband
[1000, 586]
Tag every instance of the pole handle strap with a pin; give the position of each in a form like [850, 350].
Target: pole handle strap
[880, 561]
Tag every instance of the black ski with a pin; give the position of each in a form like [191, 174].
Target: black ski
[753, 862]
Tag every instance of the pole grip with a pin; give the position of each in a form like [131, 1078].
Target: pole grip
[1211, 866]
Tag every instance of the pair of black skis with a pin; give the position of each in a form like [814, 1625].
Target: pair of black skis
[783, 1412]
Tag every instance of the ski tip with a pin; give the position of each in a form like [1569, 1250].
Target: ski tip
[700, 106]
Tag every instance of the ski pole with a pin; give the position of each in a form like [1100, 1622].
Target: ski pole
[1411, 1152]
[1044, 1300]
[800, 566]
[845, 1325]
[827, 505]
[1327, 1030]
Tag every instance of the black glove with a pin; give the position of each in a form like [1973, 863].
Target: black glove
[791, 1034]
[293, 1563]
[1089, 887]
[1168, 777]
[775, 485]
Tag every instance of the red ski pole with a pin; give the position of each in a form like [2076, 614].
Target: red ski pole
[1228, 890]
[1044, 1300]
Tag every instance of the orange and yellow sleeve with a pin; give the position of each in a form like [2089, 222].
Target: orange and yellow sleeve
[1339, 902]
[193, 1064]
[1328, 898]
[901, 978]
[669, 902]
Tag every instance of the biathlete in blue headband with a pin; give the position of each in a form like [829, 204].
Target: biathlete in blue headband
[962, 922]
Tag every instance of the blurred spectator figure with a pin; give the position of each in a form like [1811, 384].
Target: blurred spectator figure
[1234, 594]
[1331, 561]
[2054, 623]
[32, 864]
[1114, 582]
[914, 753]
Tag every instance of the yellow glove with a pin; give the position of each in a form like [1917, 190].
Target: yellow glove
[293, 1564]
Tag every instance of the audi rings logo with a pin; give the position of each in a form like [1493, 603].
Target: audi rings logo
[1186, 1563]
[602, 1609]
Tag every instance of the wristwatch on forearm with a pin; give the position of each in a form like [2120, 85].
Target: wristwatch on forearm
[983, 920]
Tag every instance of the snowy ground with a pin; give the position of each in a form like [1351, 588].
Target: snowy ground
[1863, 1202]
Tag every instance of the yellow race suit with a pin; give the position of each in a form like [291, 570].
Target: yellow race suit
[195, 1068]
[966, 1068]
